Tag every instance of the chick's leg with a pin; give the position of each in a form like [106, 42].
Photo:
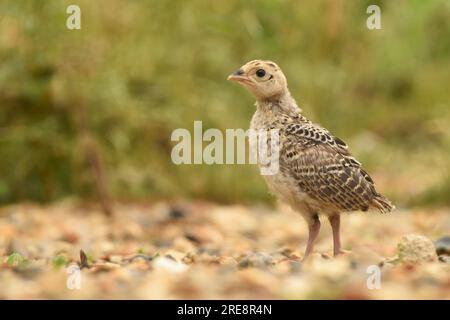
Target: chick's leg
[335, 222]
[314, 227]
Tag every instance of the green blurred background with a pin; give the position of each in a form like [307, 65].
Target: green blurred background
[91, 111]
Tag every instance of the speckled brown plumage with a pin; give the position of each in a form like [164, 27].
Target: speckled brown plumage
[317, 174]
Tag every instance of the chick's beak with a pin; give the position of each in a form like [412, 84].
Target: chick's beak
[238, 75]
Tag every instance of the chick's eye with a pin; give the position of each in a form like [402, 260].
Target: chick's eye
[260, 73]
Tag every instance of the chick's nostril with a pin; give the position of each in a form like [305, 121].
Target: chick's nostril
[238, 72]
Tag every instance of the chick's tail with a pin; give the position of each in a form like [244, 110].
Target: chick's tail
[383, 204]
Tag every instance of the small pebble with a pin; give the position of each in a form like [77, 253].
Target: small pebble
[176, 213]
[256, 260]
[443, 246]
[170, 265]
[414, 249]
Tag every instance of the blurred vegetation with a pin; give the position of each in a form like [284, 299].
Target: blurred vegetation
[99, 104]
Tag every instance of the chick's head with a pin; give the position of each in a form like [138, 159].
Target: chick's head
[263, 78]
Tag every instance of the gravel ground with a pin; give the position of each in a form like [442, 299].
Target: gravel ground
[200, 250]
